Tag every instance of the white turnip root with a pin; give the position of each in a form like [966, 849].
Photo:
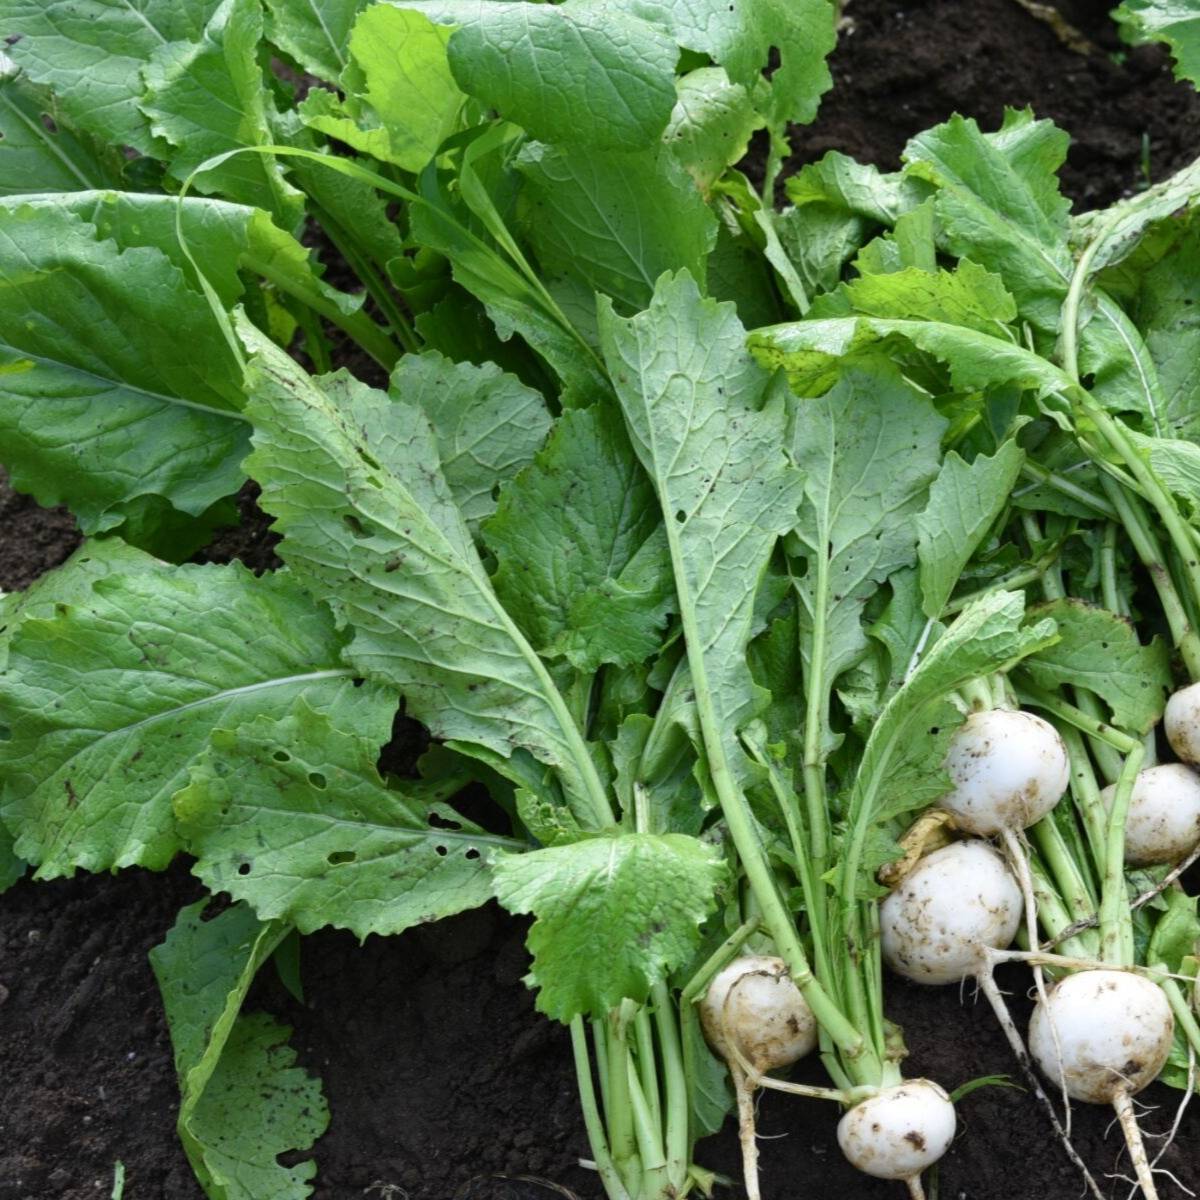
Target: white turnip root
[1182, 723]
[1163, 823]
[756, 1019]
[955, 900]
[900, 1131]
[1008, 768]
[1105, 1034]
[754, 1004]
[1114, 1031]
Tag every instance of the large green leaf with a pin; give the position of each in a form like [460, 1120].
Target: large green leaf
[12, 868]
[487, 424]
[69, 583]
[91, 53]
[401, 100]
[868, 449]
[964, 500]
[575, 73]
[1165, 312]
[98, 407]
[371, 526]
[1101, 652]
[243, 1103]
[208, 96]
[998, 204]
[578, 537]
[1176, 22]
[614, 915]
[693, 402]
[292, 816]
[110, 698]
[229, 241]
[810, 352]
[316, 33]
[773, 47]
[614, 221]
[37, 156]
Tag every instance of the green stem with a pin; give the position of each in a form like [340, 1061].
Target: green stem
[1069, 332]
[1107, 758]
[647, 1063]
[815, 722]
[315, 345]
[1067, 712]
[1054, 917]
[613, 1187]
[1054, 850]
[750, 851]
[1086, 793]
[1109, 592]
[377, 287]
[619, 1112]
[1185, 1018]
[646, 1129]
[1116, 921]
[1158, 496]
[357, 325]
[678, 1144]
[724, 953]
[1148, 549]
[1060, 483]
[977, 694]
[814, 894]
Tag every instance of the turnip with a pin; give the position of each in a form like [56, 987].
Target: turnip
[939, 925]
[955, 900]
[1009, 768]
[756, 1019]
[1163, 822]
[899, 1132]
[1105, 1034]
[753, 1005]
[1182, 723]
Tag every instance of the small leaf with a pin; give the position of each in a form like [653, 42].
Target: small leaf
[868, 449]
[582, 561]
[614, 915]
[401, 100]
[243, 1102]
[693, 401]
[316, 33]
[488, 424]
[711, 125]
[569, 73]
[964, 501]
[1100, 651]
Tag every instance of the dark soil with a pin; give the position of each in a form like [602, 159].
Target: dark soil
[443, 1082]
[902, 67]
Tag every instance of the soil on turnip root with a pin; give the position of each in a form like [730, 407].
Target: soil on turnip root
[443, 1082]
